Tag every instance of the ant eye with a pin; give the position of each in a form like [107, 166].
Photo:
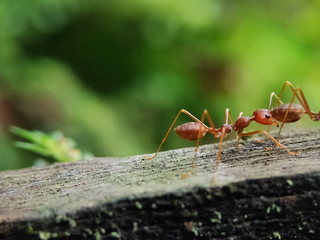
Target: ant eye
[267, 116]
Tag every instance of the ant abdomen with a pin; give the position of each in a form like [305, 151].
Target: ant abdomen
[190, 130]
[294, 113]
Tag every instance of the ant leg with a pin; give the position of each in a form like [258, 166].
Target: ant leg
[274, 140]
[295, 95]
[293, 89]
[215, 133]
[223, 130]
[213, 130]
[174, 121]
[271, 97]
[240, 115]
[222, 136]
[205, 113]
[298, 93]
[289, 107]
[238, 137]
[269, 107]
[312, 115]
[219, 155]
[228, 116]
[287, 83]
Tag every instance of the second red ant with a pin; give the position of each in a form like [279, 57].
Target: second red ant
[291, 112]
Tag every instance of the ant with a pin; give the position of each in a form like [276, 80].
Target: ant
[197, 129]
[291, 112]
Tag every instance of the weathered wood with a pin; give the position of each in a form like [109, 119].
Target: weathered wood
[257, 194]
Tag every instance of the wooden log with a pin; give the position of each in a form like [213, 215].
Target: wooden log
[257, 194]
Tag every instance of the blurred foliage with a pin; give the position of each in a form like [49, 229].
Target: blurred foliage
[113, 74]
[54, 147]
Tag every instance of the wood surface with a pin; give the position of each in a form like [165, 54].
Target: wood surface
[257, 194]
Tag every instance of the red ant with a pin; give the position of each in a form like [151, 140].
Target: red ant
[197, 129]
[291, 112]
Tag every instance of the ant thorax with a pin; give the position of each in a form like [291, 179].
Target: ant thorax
[242, 123]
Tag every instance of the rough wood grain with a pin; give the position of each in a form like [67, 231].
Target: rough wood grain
[257, 194]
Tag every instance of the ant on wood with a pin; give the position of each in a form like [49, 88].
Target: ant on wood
[197, 129]
[291, 112]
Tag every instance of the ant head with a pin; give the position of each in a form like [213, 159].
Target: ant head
[263, 116]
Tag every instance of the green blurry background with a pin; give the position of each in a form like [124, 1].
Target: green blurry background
[113, 74]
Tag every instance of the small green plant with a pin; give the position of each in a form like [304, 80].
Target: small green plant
[290, 182]
[54, 147]
[274, 207]
[218, 219]
[277, 235]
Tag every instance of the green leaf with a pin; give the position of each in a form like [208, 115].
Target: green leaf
[55, 145]
[33, 148]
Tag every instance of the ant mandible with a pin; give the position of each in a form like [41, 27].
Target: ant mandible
[197, 129]
[291, 112]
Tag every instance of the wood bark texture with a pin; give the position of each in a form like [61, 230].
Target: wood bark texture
[257, 194]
